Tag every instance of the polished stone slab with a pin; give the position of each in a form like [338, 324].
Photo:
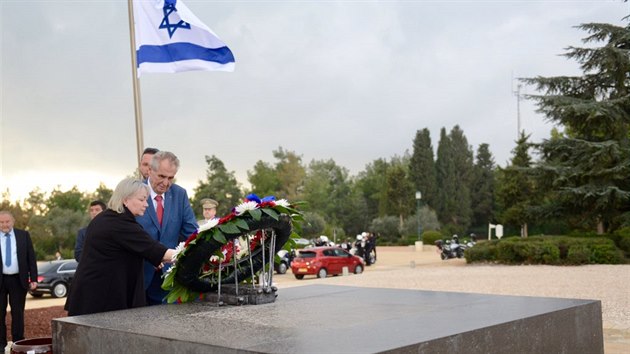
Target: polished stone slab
[340, 319]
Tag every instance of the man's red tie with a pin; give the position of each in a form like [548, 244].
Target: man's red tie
[160, 208]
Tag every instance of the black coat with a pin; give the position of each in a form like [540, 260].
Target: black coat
[110, 274]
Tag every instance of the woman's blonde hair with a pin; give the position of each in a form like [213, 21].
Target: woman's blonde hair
[125, 189]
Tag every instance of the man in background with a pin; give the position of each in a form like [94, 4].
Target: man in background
[145, 162]
[19, 273]
[169, 218]
[96, 207]
[209, 211]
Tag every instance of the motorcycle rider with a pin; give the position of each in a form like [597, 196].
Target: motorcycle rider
[359, 246]
[370, 247]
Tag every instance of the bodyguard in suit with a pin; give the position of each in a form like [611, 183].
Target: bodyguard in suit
[168, 219]
[19, 273]
[96, 207]
[145, 163]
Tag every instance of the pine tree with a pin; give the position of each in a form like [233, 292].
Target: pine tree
[220, 185]
[589, 164]
[422, 167]
[515, 187]
[399, 191]
[372, 184]
[290, 172]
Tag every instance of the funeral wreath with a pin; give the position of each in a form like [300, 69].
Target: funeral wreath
[232, 247]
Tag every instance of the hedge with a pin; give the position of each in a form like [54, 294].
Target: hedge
[555, 250]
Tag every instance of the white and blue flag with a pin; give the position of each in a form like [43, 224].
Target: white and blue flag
[170, 39]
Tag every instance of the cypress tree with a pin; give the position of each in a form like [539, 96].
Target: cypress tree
[422, 167]
[463, 163]
[483, 186]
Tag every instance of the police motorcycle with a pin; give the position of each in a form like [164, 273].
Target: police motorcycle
[450, 248]
[365, 247]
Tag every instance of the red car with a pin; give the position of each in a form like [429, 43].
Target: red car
[323, 261]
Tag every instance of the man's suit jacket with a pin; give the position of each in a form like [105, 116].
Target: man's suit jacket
[27, 261]
[178, 222]
[78, 246]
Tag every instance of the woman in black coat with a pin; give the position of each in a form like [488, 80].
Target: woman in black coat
[110, 274]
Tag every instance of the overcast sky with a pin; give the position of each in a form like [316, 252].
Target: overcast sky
[347, 80]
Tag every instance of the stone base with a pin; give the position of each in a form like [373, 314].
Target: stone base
[339, 319]
[243, 295]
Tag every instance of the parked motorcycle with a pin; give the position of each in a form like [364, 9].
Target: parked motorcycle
[452, 248]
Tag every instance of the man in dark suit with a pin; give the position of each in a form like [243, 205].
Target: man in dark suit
[145, 162]
[169, 218]
[96, 207]
[19, 273]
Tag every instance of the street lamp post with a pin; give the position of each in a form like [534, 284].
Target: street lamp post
[418, 200]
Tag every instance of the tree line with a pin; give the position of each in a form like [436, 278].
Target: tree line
[578, 180]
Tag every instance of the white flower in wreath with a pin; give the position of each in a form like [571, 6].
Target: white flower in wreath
[208, 225]
[241, 208]
[178, 250]
[283, 203]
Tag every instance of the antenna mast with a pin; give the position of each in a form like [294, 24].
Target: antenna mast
[517, 93]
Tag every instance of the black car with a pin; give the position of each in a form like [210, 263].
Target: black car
[54, 278]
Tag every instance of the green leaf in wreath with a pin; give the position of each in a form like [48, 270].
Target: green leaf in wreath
[167, 284]
[177, 292]
[219, 237]
[271, 213]
[229, 228]
[242, 224]
[256, 214]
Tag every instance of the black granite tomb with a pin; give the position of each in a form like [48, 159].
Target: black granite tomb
[339, 319]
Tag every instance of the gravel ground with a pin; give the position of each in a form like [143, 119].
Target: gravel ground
[404, 268]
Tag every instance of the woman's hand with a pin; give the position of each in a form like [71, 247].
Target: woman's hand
[168, 256]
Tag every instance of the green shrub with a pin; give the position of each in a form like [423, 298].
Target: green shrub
[429, 237]
[406, 240]
[506, 253]
[578, 254]
[485, 251]
[624, 244]
[547, 253]
[621, 238]
[606, 253]
[387, 229]
[40, 254]
[547, 250]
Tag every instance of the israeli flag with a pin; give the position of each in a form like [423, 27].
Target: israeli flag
[170, 39]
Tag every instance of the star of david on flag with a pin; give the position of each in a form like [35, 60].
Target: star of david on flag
[170, 39]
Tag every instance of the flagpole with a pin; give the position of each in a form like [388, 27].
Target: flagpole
[136, 84]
